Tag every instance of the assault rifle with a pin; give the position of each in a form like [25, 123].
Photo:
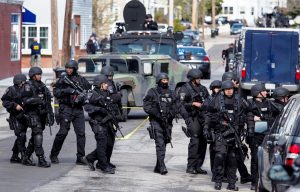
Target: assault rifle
[237, 138]
[112, 115]
[82, 95]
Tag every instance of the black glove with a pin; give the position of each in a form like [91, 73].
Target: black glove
[69, 90]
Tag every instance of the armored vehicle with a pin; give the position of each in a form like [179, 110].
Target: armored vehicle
[132, 37]
[134, 73]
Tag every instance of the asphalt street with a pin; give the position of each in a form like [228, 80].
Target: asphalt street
[133, 155]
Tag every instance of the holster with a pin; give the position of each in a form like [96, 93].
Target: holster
[186, 131]
[12, 123]
[151, 132]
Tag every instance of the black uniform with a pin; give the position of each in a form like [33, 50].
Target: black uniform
[266, 110]
[37, 103]
[225, 146]
[17, 121]
[194, 119]
[70, 110]
[160, 104]
[103, 128]
[225, 55]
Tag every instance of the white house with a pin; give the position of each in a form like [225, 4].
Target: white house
[41, 29]
[249, 10]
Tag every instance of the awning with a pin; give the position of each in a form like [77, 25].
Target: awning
[28, 18]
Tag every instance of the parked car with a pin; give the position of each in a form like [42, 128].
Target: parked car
[281, 145]
[196, 35]
[195, 58]
[236, 28]
[188, 40]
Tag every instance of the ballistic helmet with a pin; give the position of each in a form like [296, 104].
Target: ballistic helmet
[256, 89]
[227, 85]
[194, 74]
[161, 76]
[34, 71]
[148, 16]
[107, 70]
[215, 84]
[19, 78]
[99, 79]
[229, 76]
[72, 64]
[280, 92]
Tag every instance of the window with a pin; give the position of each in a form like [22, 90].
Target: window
[230, 10]
[23, 37]
[44, 37]
[15, 37]
[242, 10]
[164, 68]
[32, 33]
[225, 11]
[252, 10]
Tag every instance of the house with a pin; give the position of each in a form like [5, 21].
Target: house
[10, 38]
[41, 29]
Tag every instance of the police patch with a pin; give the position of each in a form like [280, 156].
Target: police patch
[182, 96]
[264, 109]
[27, 87]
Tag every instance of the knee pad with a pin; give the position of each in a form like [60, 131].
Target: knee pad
[38, 140]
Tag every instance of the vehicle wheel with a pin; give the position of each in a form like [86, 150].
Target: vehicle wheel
[124, 101]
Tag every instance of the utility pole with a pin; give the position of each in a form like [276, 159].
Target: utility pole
[195, 14]
[54, 34]
[213, 14]
[203, 16]
[171, 12]
[66, 54]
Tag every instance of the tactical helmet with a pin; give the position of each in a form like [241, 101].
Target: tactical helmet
[280, 92]
[99, 79]
[194, 74]
[227, 85]
[34, 71]
[19, 78]
[215, 84]
[148, 16]
[107, 70]
[72, 64]
[161, 76]
[256, 89]
[229, 76]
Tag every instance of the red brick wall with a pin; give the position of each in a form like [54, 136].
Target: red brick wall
[8, 68]
[46, 60]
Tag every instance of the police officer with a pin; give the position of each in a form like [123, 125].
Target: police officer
[160, 105]
[281, 97]
[215, 87]
[245, 176]
[225, 108]
[100, 122]
[226, 56]
[192, 95]
[263, 110]
[70, 110]
[36, 98]
[149, 24]
[12, 101]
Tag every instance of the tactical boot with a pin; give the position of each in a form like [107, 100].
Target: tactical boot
[98, 166]
[246, 179]
[42, 162]
[54, 159]
[27, 161]
[111, 165]
[191, 170]
[232, 187]
[218, 186]
[89, 163]
[15, 158]
[80, 161]
[201, 171]
[253, 186]
[163, 169]
[108, 170]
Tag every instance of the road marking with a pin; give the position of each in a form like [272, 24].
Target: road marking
[133, 131]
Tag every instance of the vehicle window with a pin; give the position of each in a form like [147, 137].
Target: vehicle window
[125, 66]
[196, 52]
[287, 118]
[164, 68]
[91, 65]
